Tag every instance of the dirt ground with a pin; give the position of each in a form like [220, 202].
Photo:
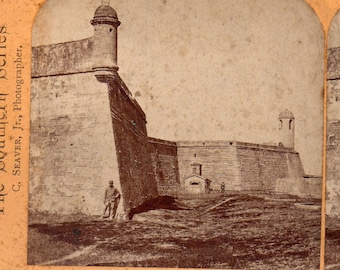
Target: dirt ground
[332, 245]
[235, 231]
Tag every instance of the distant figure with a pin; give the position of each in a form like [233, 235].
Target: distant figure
[207, 186]
[222, 187]
[111, 200]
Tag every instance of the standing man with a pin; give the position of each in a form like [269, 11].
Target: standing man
[222, 187]
[111, 200]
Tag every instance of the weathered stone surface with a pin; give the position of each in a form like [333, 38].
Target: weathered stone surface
[73, 154]
[333, 169]
[304, 187]
[218, 160]
[85, 133]
[63, 58]
[196, 184]
[333, 134]
[333, 67]
[241, 166]
[87, 128]
[165, 165]
[132, 147]
[260, 167]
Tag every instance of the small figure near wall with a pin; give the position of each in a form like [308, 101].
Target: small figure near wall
[111, 200]
[222, 187]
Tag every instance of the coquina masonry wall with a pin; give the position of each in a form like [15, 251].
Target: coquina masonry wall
[70, 121]
[306, 187]
[333, 134]
[333, 169]
[262, 165]
[218, 159]
[83, 134]
[165, 165]
[137, 177]
[241, 166]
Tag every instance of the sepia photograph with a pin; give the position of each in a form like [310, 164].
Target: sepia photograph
[178, 134]
[332, 241]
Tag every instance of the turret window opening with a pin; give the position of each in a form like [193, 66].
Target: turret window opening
[280, 127]
[290, 124]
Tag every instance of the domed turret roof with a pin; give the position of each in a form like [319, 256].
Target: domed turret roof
[105, 14]
[105, 11]
[286, 115]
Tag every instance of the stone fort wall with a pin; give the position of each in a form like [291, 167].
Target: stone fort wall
[84, 133]
[241, 166]
[64, 58]
[136, 172]
[70, 122]
[306, 187]
[333, 134]
[165, 165]
[218, 160]
[261, 165]
[333, 169]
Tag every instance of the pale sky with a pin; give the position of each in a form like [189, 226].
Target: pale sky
[333, 108]
[334, 32]
[212, 69]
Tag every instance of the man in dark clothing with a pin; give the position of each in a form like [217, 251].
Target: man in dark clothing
[222, 187]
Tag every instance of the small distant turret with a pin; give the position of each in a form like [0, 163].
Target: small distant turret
[286, 129]
[105, 22]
